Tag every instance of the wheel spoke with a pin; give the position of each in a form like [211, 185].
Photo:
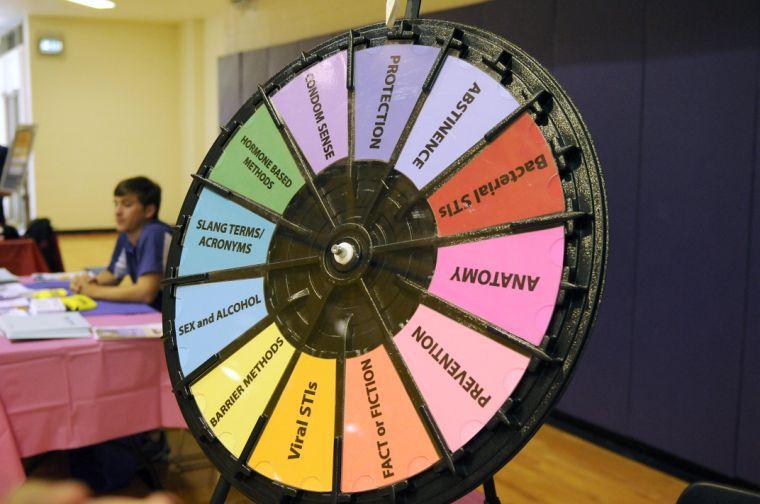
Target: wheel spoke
[434, 432]
[340, 397]
[250, 444]
[391, 264]
[263, 419]
[212, 362]
[476, 323]
[350, 67]
[307, 172]
[254, 207]
[283, 381]
[241, 273]
[510, 228]
[427, 86]
[471, 153]
[317, 318]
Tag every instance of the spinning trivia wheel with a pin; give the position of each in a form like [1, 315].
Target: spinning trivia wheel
[385, 269]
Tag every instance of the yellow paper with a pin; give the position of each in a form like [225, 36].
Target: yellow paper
[49, 293]
[79, 302]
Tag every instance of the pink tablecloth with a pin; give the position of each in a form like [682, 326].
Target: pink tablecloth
[21, 257]
[61, 394]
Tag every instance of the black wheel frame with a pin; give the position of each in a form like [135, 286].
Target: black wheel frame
[579, 296]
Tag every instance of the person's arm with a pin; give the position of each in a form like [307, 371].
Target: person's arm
[105, 277]
[144, 290]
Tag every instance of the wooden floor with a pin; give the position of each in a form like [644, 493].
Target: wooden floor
[555, 467]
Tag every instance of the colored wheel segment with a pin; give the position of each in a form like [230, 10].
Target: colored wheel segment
[464, 105]
[296, 447]
[233, 396]
[383, 436]
[258, 165]
[209, 317]
[511, 281]
[388, 84]
[465, 376]
[222, 235]
[314, 106]
[513, 178]
[380, 266]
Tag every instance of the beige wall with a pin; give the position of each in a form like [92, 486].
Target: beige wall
[130, 98]
[107, 109]
[265, 23]
[192, 84]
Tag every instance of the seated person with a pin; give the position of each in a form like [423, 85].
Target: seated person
[141, 249]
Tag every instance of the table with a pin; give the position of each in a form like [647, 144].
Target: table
[21, 257]
[62, 394]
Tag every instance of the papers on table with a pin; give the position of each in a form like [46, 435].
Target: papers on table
[28, 314]
[57, 277]
[6, 276]
[128, 332]
[46, 305]
[14, 303]
[45, 326]
[13, 290]
[17, 312]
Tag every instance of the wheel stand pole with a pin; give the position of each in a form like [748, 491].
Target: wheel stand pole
[221, 491]
[490, 490]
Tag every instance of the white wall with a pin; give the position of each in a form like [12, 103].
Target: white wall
[14, 78]
[10, 82]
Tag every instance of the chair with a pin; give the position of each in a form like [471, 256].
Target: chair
[41, 231]
[713, 493]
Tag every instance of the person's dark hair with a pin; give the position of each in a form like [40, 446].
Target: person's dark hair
[147, 191]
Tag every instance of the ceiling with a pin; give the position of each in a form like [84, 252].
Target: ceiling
[12, 11]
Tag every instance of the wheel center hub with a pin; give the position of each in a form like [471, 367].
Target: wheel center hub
[345, 254]
[337, 318]
[348, 253]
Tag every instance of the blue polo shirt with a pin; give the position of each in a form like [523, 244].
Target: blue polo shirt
[147, 256]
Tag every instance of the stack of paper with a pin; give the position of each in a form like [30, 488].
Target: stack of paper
[7, 277]
[63, 276]
[46, 305]
[13, 290]
[9, 304]
[129, 332]
[46, 326]
[13, 299]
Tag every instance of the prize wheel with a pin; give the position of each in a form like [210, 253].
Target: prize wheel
[385, 269]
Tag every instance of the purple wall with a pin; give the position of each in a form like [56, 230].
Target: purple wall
[672, 102]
